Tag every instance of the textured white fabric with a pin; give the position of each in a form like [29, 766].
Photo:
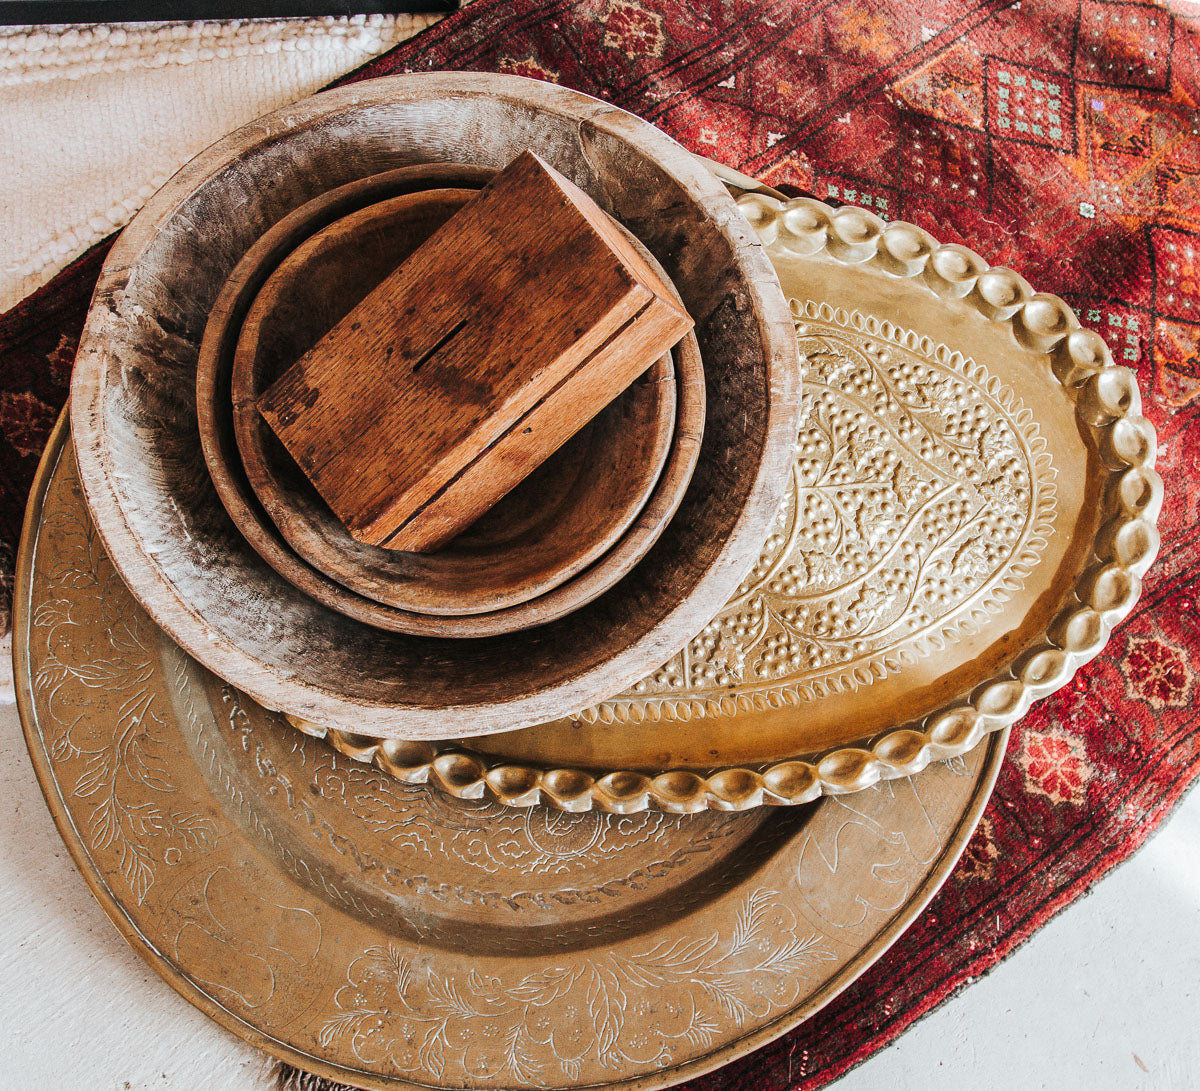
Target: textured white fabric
[94, 119]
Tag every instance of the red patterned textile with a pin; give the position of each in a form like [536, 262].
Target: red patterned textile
[1060, 138]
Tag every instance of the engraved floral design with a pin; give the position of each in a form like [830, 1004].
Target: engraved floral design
[402, 831]
[607, 1010]
[74, 676]
[921, 496]
[1157, 674]
[1056, 765]
[534, 840]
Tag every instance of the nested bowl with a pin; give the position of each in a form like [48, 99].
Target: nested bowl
[137, 442]
[241, 497]
[546, 531]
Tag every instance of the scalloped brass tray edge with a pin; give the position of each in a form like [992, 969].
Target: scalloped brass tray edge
[1108, 403]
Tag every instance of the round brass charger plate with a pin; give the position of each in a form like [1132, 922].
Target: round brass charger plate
[388, 935]
[972, 507]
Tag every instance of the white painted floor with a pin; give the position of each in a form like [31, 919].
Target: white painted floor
[1106, 996]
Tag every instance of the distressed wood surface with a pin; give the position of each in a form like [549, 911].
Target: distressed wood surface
[545, 531]
[213, 380]
[473, 361]
[135, 429]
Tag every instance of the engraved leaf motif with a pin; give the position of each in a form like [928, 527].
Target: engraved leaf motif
[197, 831]
[72, 577]
[797, 955]
[104, 825]
[727, 1000]
[703, 1030]
[728, 656]
[520, 1061]
[52, 614]
[993, 445]
[145, 766]
[606, 1005]
[822, 568]
[971, 559]
[63, 748]
[1001, 492]
[97, 771]
[545, 987]
[445, 997]
[438, 1030]
[667, 963]
[343, 1023]
[869, 520]
[750, 919]
[137, 868]
[109, 673]
[906, 484]
[145, 819]
[129, 754]
[824, 362]
[869, 602]
[432, 1053]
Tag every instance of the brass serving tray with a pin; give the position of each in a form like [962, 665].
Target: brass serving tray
[391, 936]
[972, 508]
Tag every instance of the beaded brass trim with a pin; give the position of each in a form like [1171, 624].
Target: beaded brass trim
[1108, 409]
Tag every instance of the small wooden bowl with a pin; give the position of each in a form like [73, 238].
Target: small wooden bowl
[214, 365]
[570, 512]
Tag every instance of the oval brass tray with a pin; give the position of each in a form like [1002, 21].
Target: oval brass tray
[393, 937]
[972, 508]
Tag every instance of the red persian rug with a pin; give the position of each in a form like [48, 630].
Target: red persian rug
[1056, 137]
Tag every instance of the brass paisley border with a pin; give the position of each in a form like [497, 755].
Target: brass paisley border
[1107, 404]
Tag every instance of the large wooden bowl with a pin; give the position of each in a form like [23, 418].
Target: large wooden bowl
[134, 410]
[547, 530]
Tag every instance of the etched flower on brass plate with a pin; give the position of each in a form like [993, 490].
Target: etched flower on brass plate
[73, 675]
[611, 1008]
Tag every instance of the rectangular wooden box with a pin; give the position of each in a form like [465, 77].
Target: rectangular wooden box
[497, 340]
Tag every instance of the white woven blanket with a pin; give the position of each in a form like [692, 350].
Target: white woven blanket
[94, 119]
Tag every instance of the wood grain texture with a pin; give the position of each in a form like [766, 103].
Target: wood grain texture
[520, 508]
[552, 526]
[214, 364]
[133, 405]
[471, 363]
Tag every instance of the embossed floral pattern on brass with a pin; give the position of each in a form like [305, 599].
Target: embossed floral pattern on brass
[921, 496]
[387, 935]
[972, 477]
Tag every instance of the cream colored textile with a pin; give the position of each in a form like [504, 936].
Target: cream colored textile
[94, 119]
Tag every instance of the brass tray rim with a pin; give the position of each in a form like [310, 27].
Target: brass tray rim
[1108, 404]
[111, 903]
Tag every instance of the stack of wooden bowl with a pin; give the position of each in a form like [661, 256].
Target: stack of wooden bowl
[565, 535]
[590, 573]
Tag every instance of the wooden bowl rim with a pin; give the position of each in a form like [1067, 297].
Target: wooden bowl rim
[423, 585]
[554, 685]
